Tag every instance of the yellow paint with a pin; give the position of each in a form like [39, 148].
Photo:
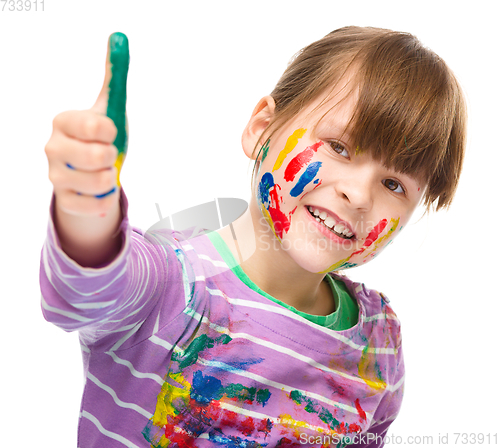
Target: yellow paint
[376, 244]
[164, 442]
[118, 164]
[289, 145]
[335, 266]
[269, 220]
[287, 421]
[168, 395]
[367, 370]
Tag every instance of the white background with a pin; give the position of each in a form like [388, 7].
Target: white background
[197, 70]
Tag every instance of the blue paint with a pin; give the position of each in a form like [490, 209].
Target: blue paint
[100, 196]
[266, 183]
[243, 365]
[205, 389]
[234, 442]
[316, 181]
[307, 176]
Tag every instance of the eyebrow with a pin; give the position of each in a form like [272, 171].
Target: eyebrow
[324, 126]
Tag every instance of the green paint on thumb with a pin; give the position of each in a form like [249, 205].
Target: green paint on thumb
[117, 99]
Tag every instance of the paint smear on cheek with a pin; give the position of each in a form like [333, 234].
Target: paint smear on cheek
[307, 176]
[289, 146]
[270, 206]
[380, 241]
[265, 149]
[372, 236]
[280, 221]
[299, 161]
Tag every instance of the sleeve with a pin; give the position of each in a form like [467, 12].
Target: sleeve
[110, 301]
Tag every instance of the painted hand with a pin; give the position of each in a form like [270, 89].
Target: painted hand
[87, 147]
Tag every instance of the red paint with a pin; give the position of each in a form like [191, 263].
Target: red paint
[265, 426]
[285, 442]
[361, 413]
[372, 236]
[341, 429]
[307, 192]
[298, 162]
[180, 439]
[335, 386]
[354, 427]
[228, 418]
[280, 221]
[247, 426]
[273, 195]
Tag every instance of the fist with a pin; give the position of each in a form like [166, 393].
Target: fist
[87, 148]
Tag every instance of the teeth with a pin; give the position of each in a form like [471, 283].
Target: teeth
[339, 228]
[329, 222]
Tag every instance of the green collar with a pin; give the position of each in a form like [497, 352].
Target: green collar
[346, 311]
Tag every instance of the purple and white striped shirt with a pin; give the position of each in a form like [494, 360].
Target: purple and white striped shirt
[179, 352]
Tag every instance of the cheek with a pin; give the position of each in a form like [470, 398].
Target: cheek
[302, 171]
[288, 180]
[381, 236]
[272, 205]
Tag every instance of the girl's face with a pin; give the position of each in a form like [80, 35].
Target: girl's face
[329, 206]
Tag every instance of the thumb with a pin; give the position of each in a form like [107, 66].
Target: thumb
[113, 96]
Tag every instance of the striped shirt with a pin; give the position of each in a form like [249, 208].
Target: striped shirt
[179, 352]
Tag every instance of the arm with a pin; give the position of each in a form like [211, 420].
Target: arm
[96, 276]
[108, 302]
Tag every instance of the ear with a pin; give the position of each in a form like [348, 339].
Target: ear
[260, 119]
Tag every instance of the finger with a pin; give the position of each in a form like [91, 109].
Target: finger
[83, 156]
[114, 92]
[85, 125]
[96, 183]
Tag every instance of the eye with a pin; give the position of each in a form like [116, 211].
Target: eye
[394, 186]
[339, 149]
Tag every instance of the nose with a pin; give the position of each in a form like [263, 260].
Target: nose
[356, 188]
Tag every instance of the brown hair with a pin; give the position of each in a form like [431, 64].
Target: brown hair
[410, 113]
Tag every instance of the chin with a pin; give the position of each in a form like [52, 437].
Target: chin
[315, 257]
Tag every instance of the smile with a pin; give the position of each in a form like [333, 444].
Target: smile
[330, 223]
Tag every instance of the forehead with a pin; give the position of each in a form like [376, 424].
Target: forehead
[334, 108]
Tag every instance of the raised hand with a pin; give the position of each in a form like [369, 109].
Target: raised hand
[87, 148]
[85, 153]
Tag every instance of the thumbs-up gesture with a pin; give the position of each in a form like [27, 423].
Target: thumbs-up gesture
[85, 153]
[87, 148]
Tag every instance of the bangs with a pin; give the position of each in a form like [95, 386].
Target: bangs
[408, 109]
[410, 112]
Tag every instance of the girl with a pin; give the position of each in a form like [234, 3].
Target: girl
[248, 336]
